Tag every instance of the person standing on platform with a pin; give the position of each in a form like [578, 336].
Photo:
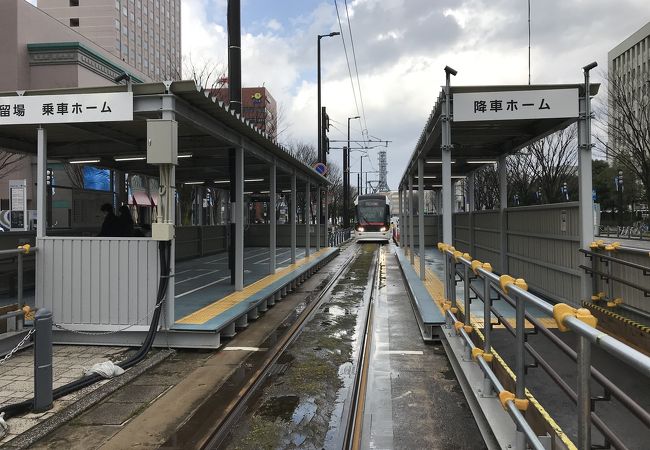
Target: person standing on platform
[125, 222]
[110, 226]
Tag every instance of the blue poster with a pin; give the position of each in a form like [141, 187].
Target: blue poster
[97, 179]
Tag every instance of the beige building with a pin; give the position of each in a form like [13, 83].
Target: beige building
[144, 33]
[629, 65]
[39, 52]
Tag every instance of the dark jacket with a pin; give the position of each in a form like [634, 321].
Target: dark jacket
[110, 227]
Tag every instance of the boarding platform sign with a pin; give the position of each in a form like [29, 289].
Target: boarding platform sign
[515, 105]
[66, 108]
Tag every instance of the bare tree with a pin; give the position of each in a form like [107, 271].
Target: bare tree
[9, 161]
[554, 162]
[627, 121]
[207, 74]
[521, 178]
[486, 192]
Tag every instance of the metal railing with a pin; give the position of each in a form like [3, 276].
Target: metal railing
[640, 232]
[20, 254]
[338, 237]
[603, 278]
[460, 267]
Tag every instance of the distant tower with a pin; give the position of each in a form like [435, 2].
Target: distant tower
[383, 172]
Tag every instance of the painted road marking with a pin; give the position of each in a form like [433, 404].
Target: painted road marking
[400, 352]
[202, 287]
[246, 349]
[198, 276]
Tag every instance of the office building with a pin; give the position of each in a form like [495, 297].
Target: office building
[144, 33]
[628, 66]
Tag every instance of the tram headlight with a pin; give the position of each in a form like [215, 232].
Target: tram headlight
[361, 229]
[382, 229]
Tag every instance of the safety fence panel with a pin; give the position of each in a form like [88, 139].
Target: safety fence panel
[631, 296]
[462, 231]
[487, 235]
[196, 241]
[543, 245]
[97, 281]
[432, 231]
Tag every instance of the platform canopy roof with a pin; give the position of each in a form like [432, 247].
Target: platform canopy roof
[479, 142]
[207, 130]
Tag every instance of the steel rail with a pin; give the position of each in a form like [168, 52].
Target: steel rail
[236, 407]
[590, 270]
[604, 257]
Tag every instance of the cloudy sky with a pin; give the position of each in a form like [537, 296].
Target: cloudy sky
[401, 49]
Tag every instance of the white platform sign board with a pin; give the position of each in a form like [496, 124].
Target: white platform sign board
[515, 105]
[69, 108]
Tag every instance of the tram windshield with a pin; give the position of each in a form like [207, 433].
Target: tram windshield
[371, 212]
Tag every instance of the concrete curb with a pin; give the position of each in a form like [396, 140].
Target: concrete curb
[34, 434]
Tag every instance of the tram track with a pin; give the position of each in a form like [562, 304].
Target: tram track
[238, 406]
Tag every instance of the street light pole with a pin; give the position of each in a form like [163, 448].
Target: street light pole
[346, 179]
[321, 156]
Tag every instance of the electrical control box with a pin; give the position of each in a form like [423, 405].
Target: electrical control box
[162, 141]
[162, 231]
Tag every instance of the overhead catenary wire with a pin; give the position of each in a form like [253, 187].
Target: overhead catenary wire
[347, 59]
[356, 69]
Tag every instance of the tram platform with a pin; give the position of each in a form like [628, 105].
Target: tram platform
[207, 302]
[435, 288]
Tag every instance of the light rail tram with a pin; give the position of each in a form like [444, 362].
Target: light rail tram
[372, 218]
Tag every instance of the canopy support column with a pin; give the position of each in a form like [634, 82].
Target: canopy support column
[318, 212]
[239, 219]
[411, 218]
[585, 179]
[307, 217]
[503, 216]
[401, 218]
[41, 183]
[272, 218]
[421, 216]
[446, 147]
[293, 218]
[471, 207]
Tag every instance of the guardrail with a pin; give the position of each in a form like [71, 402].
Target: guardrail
[460, 267]
[19, 252]
[628, 232]
[602, 268]
[338, 237]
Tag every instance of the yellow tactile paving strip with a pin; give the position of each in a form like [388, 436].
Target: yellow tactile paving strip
[220, 306]
[437, 291]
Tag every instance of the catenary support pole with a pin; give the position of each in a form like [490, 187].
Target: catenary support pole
[272, 217]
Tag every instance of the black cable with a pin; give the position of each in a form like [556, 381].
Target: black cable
[356, 69]
[164, 253]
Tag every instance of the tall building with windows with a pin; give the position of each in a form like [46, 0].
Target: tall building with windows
[629, 76]
[144, 33]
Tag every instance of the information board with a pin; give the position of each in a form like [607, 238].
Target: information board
[69, 108]
[515, 105]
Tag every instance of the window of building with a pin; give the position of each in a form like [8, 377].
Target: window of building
[125, 13]
[74, 2]
[117, 24]
[132, 16]
[125, 30]
[74, 22]
[117, 4]
[138, 22]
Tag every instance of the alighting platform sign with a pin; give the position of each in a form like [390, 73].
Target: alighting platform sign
[515, 105]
